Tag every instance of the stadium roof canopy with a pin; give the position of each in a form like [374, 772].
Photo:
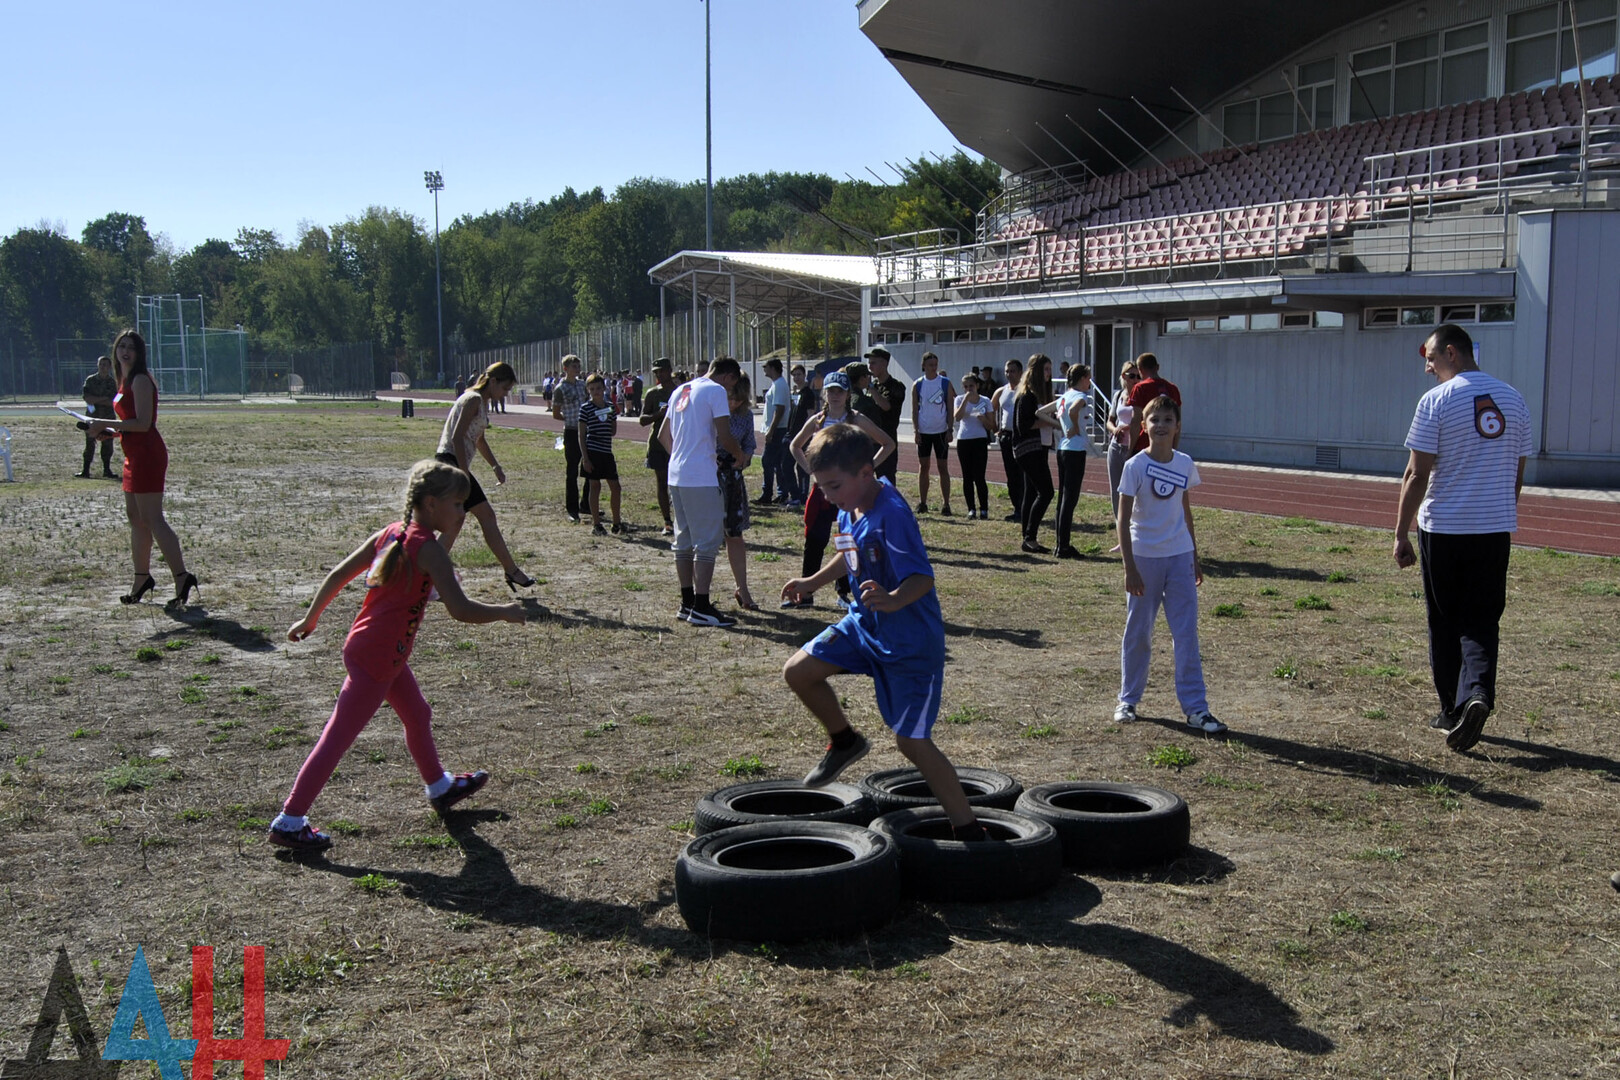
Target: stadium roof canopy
[772, 283]
[997, 73]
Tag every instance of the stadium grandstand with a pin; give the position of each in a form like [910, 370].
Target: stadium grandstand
[1278, 199]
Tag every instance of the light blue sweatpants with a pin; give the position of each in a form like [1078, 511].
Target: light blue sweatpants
[1169, 582]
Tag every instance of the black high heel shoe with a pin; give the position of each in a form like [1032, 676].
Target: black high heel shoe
[186, 583]
[140, 590]
[519, 580]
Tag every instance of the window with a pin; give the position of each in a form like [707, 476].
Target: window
[1278, 116]
[1315, 85]
[1417, 316]
[1176, 326]
[1203, 324]
[1264, 320]
[1421, 72]
[1329, 320]
[1495, 313]
[998, 333]
[979, 334]
[1296, 320]
[1241, 122]
[1234, 322]
[1369, 82]
[1541, 46]
[1465, 64]
[1378, 317]
[1459, 313]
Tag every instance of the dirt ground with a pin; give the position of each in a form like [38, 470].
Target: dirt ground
[1359, 901]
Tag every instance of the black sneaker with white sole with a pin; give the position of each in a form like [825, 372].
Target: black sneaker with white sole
[1469, 724]
[708, 615]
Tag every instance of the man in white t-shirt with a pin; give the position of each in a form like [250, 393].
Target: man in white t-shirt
[1469, 440]
[933, 399]
[699, 421]
[776, 462]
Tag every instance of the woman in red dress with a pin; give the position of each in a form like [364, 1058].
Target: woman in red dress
[146, 461]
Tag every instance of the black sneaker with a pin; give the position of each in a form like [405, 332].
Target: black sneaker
[764, 500]
[1469, 724]
[1030, 547]
[307, 838]
[945, 511]
[598, 530]
[466, 784]
[1444, 720]
[708, 615]
[922, 508]
[1011, 517]
[836, 761]
[1068, 551]
[618, 528]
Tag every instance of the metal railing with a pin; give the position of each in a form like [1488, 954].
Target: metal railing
[1421, 205]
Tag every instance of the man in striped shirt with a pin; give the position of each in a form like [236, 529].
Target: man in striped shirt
[1468, 442]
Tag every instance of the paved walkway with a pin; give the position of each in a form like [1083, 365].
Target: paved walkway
[1587, 522]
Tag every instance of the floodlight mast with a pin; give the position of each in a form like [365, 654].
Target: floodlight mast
[435, 184]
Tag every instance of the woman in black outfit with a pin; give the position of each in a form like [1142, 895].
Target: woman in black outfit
[1030, 449]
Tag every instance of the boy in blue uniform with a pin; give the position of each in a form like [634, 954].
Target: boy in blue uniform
[894, 631]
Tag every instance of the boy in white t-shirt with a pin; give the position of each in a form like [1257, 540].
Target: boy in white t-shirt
[1156, 540]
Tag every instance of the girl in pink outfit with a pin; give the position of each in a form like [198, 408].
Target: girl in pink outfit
[408, 570]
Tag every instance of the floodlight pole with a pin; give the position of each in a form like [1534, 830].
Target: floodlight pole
[708, 158]
[708, 137]
[435, 184]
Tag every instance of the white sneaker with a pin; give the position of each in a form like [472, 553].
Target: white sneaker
[1205, 722]
[1124, 713]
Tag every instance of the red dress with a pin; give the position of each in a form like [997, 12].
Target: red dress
[146, 458]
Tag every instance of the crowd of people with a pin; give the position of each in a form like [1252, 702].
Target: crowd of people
[830, 445]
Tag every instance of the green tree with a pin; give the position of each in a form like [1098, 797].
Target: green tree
[50, 289]
[123, 254]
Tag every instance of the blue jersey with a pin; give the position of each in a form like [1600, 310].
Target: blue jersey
[884, 545]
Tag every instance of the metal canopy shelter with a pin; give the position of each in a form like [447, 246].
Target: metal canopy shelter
[1003, 77]
[767, 285]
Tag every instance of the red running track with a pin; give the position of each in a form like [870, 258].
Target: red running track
[1590, 526]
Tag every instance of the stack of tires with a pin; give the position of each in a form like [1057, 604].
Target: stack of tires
[778, 861]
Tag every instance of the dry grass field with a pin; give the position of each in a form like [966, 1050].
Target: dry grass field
[1359, 901]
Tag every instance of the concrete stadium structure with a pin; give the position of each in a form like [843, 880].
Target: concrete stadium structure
[1279, 200]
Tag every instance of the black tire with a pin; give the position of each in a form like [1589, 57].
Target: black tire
[781, 800]
[1022, 857]
[1114, 826]
[905, 789]
[787, 881]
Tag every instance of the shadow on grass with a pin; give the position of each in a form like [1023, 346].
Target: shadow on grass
[227, 631]
[1365, 765]
[1232, 568]
[485, 888]
[1238, 1006]
[1533, 757]
[1023, 639]
[1196, 866]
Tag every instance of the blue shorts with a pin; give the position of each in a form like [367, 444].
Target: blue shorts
[907, 695]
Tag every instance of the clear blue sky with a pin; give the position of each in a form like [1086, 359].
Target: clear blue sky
[204, 118]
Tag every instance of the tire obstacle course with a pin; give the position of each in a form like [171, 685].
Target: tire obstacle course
[778, 861]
